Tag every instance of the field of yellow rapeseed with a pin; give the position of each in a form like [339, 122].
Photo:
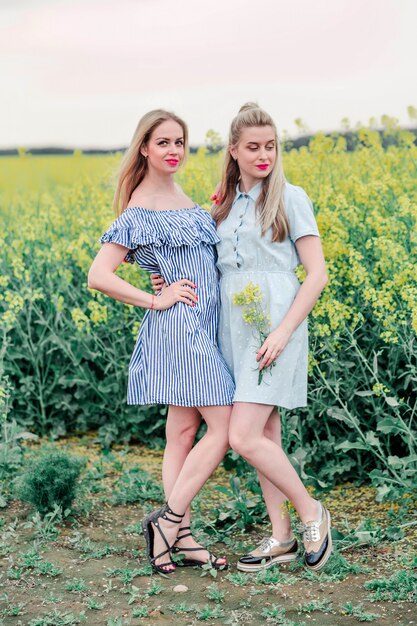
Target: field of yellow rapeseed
[65, 349]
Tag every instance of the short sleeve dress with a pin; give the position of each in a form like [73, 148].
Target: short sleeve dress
[245, 256]
[176, 359]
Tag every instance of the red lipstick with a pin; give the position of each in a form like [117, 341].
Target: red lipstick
[172, 162]
[263, 166]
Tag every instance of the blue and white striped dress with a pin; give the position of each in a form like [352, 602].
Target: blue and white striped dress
[176, 359]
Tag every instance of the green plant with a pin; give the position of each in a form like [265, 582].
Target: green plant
[240, 510]
[323, 606]
[273, 576]
[49, 569]
[140, 611]
[11, 434]
[337, 568]
[401, 586]
[182, 607]
[12, 610]
[46, 527]
[56, 618]
[134, 593]
[238, 579]
[135, 485]
[76, 585]
[94, 605]
[154, 589]
[117, 621]
[51, 599]
[50, 480]
[274, 612]
[208, 612]
[358, 612]
[277, 615]
[214, 593]
[91, 549]
[126, 574]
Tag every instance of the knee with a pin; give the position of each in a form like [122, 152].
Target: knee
[220, 437]
[240, 444]
[183, 437]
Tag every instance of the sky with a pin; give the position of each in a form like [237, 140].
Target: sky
[80, 73]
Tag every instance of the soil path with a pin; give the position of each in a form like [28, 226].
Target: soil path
[92, 569]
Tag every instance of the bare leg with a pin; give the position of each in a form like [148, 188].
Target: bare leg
[197, 468]
[274, 498]
[247, 438]
[181, 428]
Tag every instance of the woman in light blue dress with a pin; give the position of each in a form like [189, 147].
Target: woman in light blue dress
[267, 227]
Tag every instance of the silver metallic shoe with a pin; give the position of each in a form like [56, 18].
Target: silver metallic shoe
[268, 553]
[317, 540]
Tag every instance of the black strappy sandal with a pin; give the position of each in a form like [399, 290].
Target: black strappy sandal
[149, 534]
[213, 560]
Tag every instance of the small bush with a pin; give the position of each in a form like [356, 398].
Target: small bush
[51, 480]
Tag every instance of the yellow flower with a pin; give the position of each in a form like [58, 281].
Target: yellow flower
[80, 319]
[98, 313]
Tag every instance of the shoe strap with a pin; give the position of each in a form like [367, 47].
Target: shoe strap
[167, 509]
[191, 549]
[162, 513]
[158, 556]
[183, 536]
[156, 524]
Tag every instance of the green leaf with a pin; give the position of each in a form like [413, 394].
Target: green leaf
[372, 439]
[395, 462]
[390, 426]
[339, 414]
[351, 445]
[394, 533]
[391, 401]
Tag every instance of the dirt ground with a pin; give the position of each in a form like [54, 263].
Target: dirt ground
[94, 570]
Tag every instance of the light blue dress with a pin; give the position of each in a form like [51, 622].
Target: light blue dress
[245, 256]
[176, 359]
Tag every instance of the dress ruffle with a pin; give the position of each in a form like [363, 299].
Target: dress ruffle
[142, 227]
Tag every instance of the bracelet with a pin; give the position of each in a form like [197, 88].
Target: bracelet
[153, 302]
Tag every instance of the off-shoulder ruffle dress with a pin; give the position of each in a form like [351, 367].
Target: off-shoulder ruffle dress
[176, 359]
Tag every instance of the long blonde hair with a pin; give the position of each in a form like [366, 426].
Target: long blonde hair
[134, 165]
[270, 204]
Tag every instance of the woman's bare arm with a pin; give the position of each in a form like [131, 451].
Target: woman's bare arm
[102, 277]
[311, 256]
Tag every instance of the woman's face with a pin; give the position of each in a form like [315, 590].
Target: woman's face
[256, 152]
[165, 148]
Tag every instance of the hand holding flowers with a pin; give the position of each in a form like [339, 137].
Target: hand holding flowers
[272, 347]
[271, 343]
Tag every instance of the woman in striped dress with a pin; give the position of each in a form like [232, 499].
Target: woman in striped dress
[176, 360]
